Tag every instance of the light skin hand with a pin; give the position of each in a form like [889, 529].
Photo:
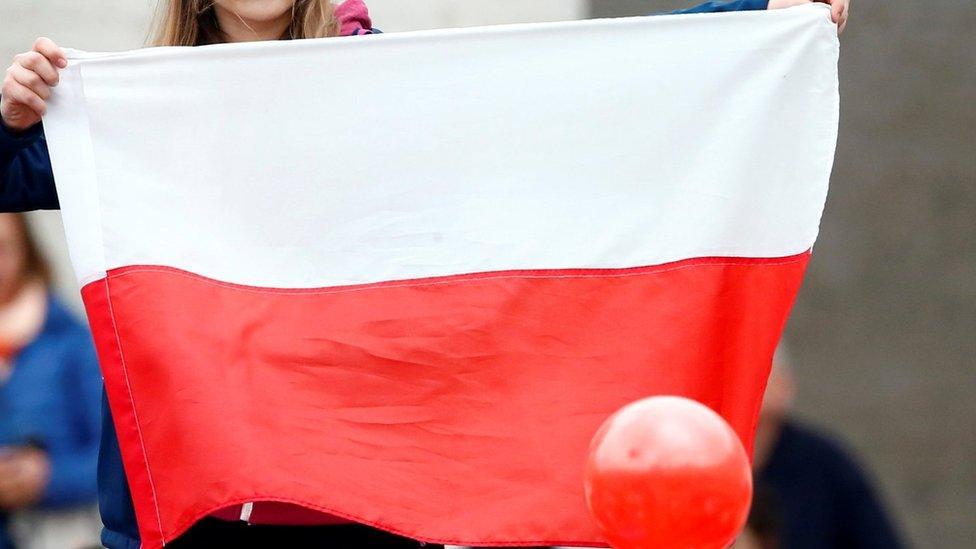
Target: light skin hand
[839, 9]
[24, 474]
[27, 84]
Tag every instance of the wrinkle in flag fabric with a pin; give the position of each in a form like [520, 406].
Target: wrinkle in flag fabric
[401, 281]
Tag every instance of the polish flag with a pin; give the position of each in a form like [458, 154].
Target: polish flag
[401, 280]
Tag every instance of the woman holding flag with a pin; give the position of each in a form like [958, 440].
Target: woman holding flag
[27, 183]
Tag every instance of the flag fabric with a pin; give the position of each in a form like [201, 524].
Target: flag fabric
[402, 280]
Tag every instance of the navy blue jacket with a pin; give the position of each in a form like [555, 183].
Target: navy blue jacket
[26, 180]
[825, 499]
[27, 183]
[52, 400]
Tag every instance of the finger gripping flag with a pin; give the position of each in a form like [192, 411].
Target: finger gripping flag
[401, 280]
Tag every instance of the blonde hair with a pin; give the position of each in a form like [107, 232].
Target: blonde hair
[194, 22]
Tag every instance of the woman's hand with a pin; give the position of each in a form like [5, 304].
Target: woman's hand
[28, 84]
[839, 9]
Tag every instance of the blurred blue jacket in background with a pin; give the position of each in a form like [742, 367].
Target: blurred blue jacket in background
[52, 400]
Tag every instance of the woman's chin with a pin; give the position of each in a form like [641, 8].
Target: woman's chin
[258, 11]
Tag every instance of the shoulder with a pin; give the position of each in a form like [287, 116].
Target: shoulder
[63, 342]
[824, 448]
[354, 19]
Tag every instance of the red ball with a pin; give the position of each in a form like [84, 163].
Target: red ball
[668, 473]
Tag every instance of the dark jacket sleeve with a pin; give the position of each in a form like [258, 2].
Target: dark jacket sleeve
[726, 5]
[26, 179]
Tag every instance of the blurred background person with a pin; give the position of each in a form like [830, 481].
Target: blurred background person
[50, 397]
[826, 500]
[764, 527]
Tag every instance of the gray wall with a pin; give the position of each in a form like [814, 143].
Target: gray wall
[884, 333]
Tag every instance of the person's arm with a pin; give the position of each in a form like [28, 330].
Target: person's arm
[716, 6]
[26, 179]
[72, 472]
[839, 9]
